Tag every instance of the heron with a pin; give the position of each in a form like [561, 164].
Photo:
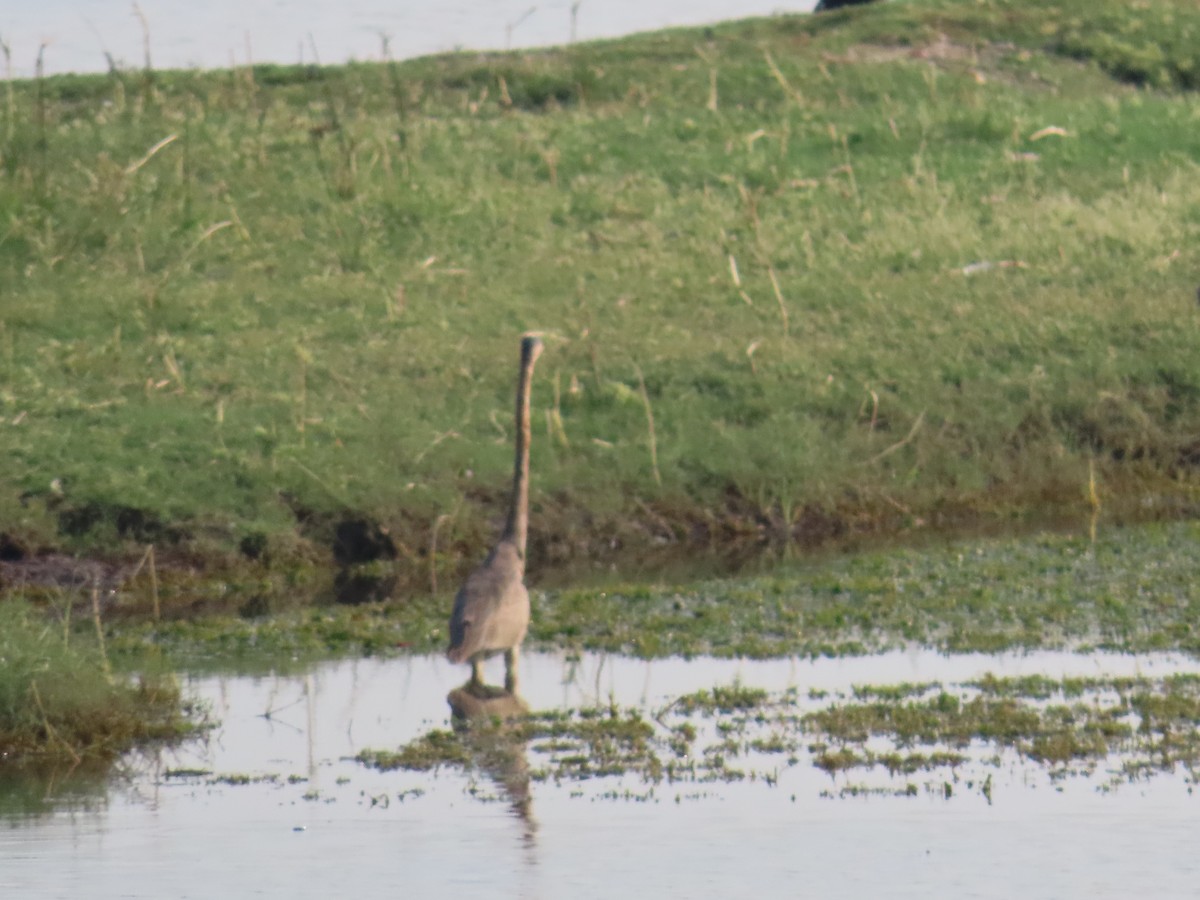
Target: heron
[491, 610]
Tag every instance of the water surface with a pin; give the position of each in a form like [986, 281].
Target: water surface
[324, 825]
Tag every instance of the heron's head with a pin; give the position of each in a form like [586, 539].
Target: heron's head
[531, 348]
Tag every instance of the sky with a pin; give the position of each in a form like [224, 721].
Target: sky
[76, 35]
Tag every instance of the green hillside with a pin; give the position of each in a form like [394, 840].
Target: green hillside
[911, 263]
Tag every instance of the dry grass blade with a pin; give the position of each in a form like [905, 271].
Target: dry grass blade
[783, 313]
[777, 74]
[900, 444]
[100, 632]
[649, 425]
[149, 155]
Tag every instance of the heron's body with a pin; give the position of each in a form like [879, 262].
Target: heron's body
[491, 611]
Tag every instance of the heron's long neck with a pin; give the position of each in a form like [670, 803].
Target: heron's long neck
[517, 528]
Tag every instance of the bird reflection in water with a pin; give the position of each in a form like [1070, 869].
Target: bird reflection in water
[490, 721]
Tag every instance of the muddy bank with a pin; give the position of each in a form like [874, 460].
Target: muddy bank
[350, 558]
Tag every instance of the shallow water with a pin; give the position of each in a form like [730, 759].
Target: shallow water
[221, 33]
[328, 826]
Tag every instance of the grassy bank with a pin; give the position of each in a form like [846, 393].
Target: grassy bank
[1131, 591]
[799, 276]
[61, 707]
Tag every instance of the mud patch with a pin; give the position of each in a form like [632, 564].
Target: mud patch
[353, 588]
[361, 540]
[60, 573]
[12, 549]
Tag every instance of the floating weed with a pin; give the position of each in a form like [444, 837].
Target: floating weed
[843, 759]
[240, 779]
[839, 760]
[774, 743]
[431, 750]
[1141, 724]
[186, 773]
[1112, 730]
[893, 691]
[853, 791]
[725, 699]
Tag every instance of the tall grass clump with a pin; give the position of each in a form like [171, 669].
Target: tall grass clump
[60, 705]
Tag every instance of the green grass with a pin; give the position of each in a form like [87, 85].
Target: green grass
[1133, 590]
[304, 308]
[61, 707]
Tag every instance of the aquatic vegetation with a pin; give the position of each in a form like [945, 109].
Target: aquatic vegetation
[1073, 726]
[1111, 730]
[843, 759]
[587, 743]
[722, 699]
[434, 748]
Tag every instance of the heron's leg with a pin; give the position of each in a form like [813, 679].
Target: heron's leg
[477, 671]
[510, 670]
